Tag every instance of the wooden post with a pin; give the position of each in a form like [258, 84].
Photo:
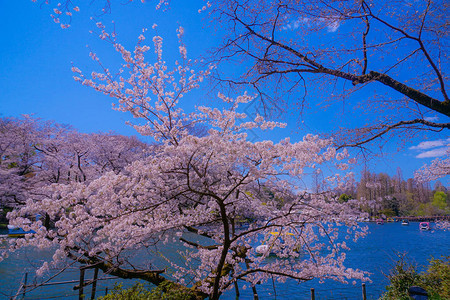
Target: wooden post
[255, 294]
[94, 284]
[313, 296]
[236, 289]
[24, 285]
[80, 292]
[364, 291]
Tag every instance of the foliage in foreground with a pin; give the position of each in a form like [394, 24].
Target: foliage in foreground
[436, 280]
[165, 291]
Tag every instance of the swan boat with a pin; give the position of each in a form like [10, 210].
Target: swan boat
[266, 246]
[424, 226]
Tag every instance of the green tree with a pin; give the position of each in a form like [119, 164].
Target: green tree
[440, 200]
[344, 198]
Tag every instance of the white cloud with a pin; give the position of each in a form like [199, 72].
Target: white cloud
[433, 153]
[430, 144]
[430, 149]
[333, 26]
[296, 24]
[432, 119]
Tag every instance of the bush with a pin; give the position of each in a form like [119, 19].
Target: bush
[402, 277]
[436, 280]
[138, 292]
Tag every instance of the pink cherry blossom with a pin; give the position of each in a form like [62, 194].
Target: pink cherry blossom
[191, 189]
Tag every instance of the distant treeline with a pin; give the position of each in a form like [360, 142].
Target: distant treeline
[394, 196]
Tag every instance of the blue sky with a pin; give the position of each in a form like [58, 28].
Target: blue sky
[37, 55]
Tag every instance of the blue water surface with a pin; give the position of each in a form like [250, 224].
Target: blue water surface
[375, 253]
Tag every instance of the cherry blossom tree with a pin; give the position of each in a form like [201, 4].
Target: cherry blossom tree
[382, 59]
[72, 156]
[18, 159]
[35, 153]
[113, 152]
[194, 190]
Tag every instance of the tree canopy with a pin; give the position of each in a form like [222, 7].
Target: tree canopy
[193, 190]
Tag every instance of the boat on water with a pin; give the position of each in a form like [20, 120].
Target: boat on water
[269, 242]
[380, 221]
[405, 222]
[424, 226]
[14, 231]
[262, 249]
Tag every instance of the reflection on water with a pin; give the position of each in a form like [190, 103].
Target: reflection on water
[376, 253]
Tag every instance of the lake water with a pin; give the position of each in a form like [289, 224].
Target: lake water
[376, 254]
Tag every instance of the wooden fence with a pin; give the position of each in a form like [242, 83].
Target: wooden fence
[363, 292]
[81, 285]
[424, 218]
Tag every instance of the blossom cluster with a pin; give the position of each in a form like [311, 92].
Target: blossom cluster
[439, 167]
